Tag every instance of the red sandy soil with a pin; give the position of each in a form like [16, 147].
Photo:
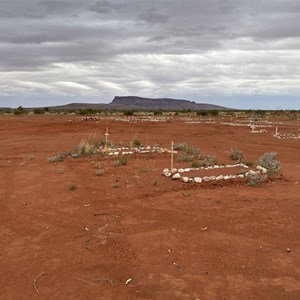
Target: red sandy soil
[174, 240]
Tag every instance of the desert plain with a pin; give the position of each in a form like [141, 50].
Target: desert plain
[132, 233]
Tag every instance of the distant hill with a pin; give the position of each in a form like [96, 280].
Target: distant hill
[162, 103]
[139, 103]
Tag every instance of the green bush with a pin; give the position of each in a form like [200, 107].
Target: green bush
[128, 113]
[256, 179]
[269, 162]
[236, 154]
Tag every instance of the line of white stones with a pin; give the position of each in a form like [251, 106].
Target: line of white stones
[286, 136]
[176, 173]
[134, 150]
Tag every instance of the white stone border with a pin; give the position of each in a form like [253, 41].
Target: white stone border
[132, 150]
[176, 174]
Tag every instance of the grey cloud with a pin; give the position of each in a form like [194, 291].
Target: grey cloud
[221, 46]
[153, 16]
[104, 7]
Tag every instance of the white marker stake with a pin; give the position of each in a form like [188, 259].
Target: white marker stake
[106, 137]
[172, 156]
[276, 133]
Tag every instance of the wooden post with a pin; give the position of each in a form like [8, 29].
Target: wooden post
[172, 156]
[106, 137]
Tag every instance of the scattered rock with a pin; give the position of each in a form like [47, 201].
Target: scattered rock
[176, 176]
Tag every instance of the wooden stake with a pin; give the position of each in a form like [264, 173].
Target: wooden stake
[172, 156]
[106, 137]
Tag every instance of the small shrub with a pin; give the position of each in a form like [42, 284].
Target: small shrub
[208, 160]
[269, 162]
[256, 179]
[72, 187]
[136, 143]
[121, 162]
[38, 111]
[201, 113]
[236, 154]
[57, 158]
[180, 147]
[128, 113]
[194, 164]
[87, 146]
[186, 157]
[99, 172]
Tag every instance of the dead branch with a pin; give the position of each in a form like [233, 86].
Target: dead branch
[35, 280]
[86, 281]
[107, 214]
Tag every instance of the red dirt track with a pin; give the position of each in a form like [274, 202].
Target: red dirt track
[174, 240]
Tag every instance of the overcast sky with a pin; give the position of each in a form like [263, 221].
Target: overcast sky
[236, 53]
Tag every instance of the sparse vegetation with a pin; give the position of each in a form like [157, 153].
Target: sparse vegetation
[256, 179]
[128, 113]
[72, 187]
[136, 143]
[99, 172]
[236, 154]
[208, 160]
[269, 162]
[195, 164]
[39, 111]
[57, 158]
[180, 147]
[88, 145]
[121, 162]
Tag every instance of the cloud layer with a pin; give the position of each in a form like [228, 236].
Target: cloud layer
[196, 49]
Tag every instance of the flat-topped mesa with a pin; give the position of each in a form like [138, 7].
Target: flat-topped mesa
[162, 103]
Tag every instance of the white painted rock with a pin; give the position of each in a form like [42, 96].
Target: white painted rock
[198, 179]
[220, 177]
[187, 170]
[176, 176]
[166, 170]
[212, 177]
[241, 176]
[226, 177]
[250, 173]
[216, 167]
[262, 169]
[168, 174]
[174, 170]
[206, 178]
[244, 166]
[180, 170]
[185, 179]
